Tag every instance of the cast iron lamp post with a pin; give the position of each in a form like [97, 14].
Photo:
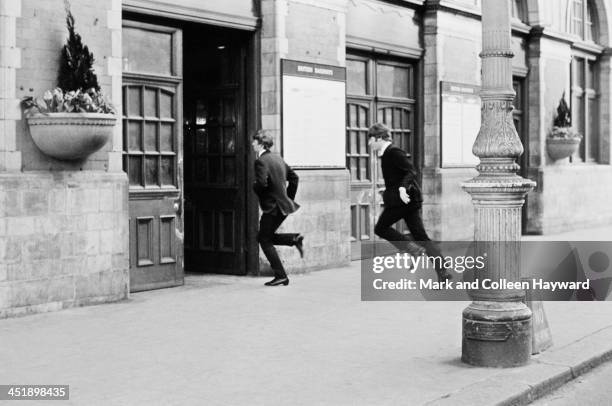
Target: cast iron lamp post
[497, 324]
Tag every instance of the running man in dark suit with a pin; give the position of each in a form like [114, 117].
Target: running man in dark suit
[276, 185]
[402, 198]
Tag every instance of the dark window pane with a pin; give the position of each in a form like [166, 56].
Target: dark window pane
[214, 170]
[229, 170]
[134, 132]
[578, 72]
[134, 101]
[229, 140]
[201, 113]
[135, 173]
[353, 145]
[363, 117]
[151, 171]
[591, 75]
[228, 111]
[354, 225]
[592, 130]
[124, 133]
[392, 81]
[200, 141]
[352, 115]
[201, 169]
[150, 136]
[214, 140]
[165, 105]
[167, 143]
[150, 102]
[356, 81]
[167, 170]
[363, 142]
[591, 29]
[213, 112]
[146, 51]
[397, 118]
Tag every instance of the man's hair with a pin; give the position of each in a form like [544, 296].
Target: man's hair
[264, 138]
[379, 130]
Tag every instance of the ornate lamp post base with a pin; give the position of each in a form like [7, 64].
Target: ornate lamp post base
[496, 334]
[497, 325]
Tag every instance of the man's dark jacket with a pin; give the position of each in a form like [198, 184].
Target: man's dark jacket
[398, 171]
[271, 177]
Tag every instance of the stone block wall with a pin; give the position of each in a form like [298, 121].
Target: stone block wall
[323, 219]
[448, 212]
[569, 197]
[63, 225]
[63, 240]
[309, 31]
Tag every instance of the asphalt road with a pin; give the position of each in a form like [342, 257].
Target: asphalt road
[592, 389]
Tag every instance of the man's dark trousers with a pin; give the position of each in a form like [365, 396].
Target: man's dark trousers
[412, 217]
[268, 238]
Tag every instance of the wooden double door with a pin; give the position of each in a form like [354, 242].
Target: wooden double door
[184, 153]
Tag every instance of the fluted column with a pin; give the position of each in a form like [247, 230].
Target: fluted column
[497, 325]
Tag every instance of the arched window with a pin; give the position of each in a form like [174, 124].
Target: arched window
[581, 20]
[519, 10]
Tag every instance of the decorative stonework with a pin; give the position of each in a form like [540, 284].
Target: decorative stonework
[497, 136]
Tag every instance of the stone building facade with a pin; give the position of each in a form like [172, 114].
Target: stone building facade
[192, 80]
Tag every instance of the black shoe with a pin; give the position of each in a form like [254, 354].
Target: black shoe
[299, 244]
[278, 281]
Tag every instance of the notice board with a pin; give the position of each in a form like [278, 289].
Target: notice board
[314, 109]
[460, 117]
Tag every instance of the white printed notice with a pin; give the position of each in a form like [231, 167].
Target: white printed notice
[460, 124]
[314, 103]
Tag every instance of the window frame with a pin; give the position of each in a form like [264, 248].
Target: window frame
[587, 21]
[162, 83]
[581, 96]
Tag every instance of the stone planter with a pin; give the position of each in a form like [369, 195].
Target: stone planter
[71, 136]
[559, 148]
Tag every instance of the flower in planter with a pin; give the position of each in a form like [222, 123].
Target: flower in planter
[56, 101]
[78, 90]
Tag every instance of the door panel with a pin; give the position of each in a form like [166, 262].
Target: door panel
[360, 164]
[152, 140]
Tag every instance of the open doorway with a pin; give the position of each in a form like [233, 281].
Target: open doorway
[217, 156]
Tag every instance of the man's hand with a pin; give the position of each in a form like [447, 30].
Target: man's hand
[404, 195]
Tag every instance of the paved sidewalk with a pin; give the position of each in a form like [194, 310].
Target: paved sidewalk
[222, 340]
